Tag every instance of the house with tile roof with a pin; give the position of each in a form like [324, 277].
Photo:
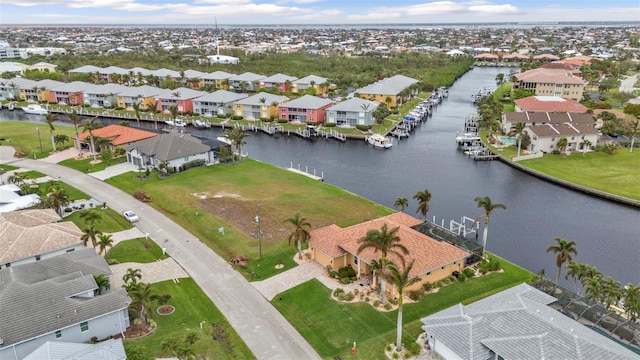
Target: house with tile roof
[279, 82]
[118, 135]
[56, 299]
[174, 149]
[262, 105]
[537, 118]
[549, 104]
[336, 247]
[517, 323]
[33, 235]
[305, 109]
[319, 83]
[216, 103]
[551, 82]
[352, 112]
[545, 137]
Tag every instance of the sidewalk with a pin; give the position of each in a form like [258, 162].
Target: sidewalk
[61, 155]
[113, 170]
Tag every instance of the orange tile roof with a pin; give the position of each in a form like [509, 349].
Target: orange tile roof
[429, 254]
[119, 134]
[550, 104]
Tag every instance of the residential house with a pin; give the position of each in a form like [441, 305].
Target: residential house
[112, 349]
[245, 82]
[352, 112]
[546, 57]
[44, 93]
[33, 235]
[217, 79]
[488, 57]
[181, 97]
[23, 89]
[217, 103]
[56, 299]
[222, 59]
[537, 118]
[102, 96]
[279, 82]
[551, 82]
[259, 106]
[545, 137]
[391, 91]
[193, 78]
[20, 68]
[517, 323]
[118, 135]
[305, 109]
[515, 57]
[173, 149]
[318, 83]
[68, 93]
[143, 95]
[549, 104]
[336, 247]
[11, 199]
[43, 66]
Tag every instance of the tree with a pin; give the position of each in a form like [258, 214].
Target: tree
[236, 136]
[136, 110]
[488, 206]
[90, 125]
[386, 242]
[401, 203]
[132, 276]
[49, 119]
[90, 233]
[577, 271]
[57, 198]
[612, 292]
[16, 178]
[173, 109]
[423, 197]
[61, 139]
[585, 146]
[102, 282]
[563, 251]
[141, 297]
[300, 233]
[105, 241]
[633, 131]
[170, 344]
[90, 217]
[561, 145]
[402, 280]
[153, 107]
[632, 301]
[73, 117]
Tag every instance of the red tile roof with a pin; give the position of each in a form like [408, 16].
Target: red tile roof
[549, 76]
[550, 104]
[119, 134]
[429, 254]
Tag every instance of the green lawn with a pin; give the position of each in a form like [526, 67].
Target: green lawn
[72, 193]
[85, 165]
[234, 195]
[24, 137]
[193, 308]
[32, 174]
[616, 174]
[8, 167]
[111, 221]
[140, 250]
[332, 327]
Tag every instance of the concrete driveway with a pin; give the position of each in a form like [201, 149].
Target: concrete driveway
[265, 331]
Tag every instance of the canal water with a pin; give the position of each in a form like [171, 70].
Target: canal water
[607, 234]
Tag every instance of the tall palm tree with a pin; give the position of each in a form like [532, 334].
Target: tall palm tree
[105, 241]
[73, 117]
[141, 297]
[401, 280]
[136, 109]
[49, 119]
[612, 292]
[401, 203]
[153, 107]
[577, 271]
[386, 242]
[102, 282]
[173, 110]
[633, 131]
[90, 125]
[632, 301]
[90, 233]
[90, 216]
[58, 199]
[585, 146]
[488, 206]
[236, 136]
[300, 233]
[423, 197]
[563, 251]
[561, 145]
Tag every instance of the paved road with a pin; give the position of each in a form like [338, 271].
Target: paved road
[259, 324]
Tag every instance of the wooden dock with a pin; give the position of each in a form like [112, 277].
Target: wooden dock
[306, 172]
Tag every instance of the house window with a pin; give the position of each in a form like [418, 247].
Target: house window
[442, 268]
[37, 257]
[355, 260]
[84, 326]
[58, 334]
[429, 273]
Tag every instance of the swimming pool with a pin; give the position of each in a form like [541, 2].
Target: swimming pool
[507, 140]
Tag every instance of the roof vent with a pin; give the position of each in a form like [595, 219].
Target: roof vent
[57, 316]
[1, 341]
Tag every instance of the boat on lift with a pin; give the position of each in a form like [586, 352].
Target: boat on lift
[379, 141]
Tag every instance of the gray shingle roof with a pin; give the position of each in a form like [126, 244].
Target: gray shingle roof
[221, 96]
[218, 75]
[278, 78]
[308, 79]
[388, 86]
[307, 102]
[518, 324]
[269, 98]
[170, 146]
[144, 90]
[248, 76]
[185, 93]
[354, 105]
[41, 297]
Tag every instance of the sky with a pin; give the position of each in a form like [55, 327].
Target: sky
[232, 12]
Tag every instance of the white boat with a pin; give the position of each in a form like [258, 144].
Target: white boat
[467, 138]
[35, 109]
[224, 139]
[379, 141]
[177, 123]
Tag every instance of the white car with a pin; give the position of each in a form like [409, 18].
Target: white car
[131, 216]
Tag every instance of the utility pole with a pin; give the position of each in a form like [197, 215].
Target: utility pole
[39, 138]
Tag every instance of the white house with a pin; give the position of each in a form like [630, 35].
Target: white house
[175, 149]
[216, 103]
[545, 137]
[352, 112]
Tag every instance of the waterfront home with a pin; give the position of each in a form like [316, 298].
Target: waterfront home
[279, 82]
[259, 106]
[305, 109]
[32, 235]
[118, 135]
[218, 103]
[336, 247]
[392, 91]
[102, 96]
[352, 112]
[173, 149]
[57, 299]
[515, 57]
[181, 97]
[20, 89]
[538, 118]
[546, 57]
[517, 323]
[245, 82]
[217, 79]
[19, 68]
[551, 82]
[549, 104]
[142, 95]
[68, 93]
[545, 137]
[487, 57]
[318, 83]
[193, 78]
[11, 199]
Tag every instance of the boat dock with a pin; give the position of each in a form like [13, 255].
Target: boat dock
[306, 172]
[470, 143]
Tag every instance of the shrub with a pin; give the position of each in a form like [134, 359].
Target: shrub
[140, 195]
[237, 117]
[387, 306]
[445, 281]
[282, 121]
[334, 274]
[389, 347]
[345, 280]
[452, 278]
[437, 284]
[462, 277]
[469, 272]
[411, 346]
[395, 355]
[193, 163]
[427, 286]
[416, 295]
[347, 271]
[376, 303]
[94, 340]
[329, 269]
[362, 127]
[393, 301]
[356, 291]
[349, 296]
[264, 119]
[330, 125]
[367, 299]
[311, 122]
[338, 291]
[68, 210]
[222, 116]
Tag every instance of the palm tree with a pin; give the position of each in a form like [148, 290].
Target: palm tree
[612, 292]
[73, 117]
[104, 243]
[173, 109]
[61, 139]
[236, 136]
[49, 119]
[633, 130]
[577, 271]
[632, 301]
[153, 107]
[561, 145]
[16, 178]
[90, 216]
[102, 282]
[385, 242]
[170, 344]
[563, 251]
[58, 199]
[401, 280]
[90, 233]
[141, 297]
[136, 109]
[401, 203]
[423, 198]
[132, 276]
[300, 234]
[90, 125]
[585, 145]
[488, 206]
